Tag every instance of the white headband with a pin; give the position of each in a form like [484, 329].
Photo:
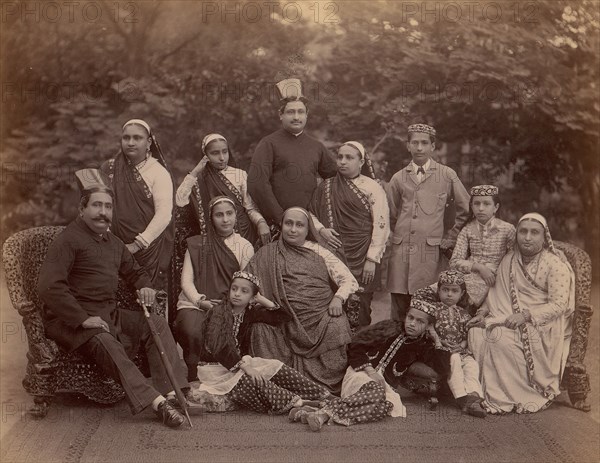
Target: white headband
[211, 137]
[139, 122]
[358, 146]
[299, 209]
[220, 199]
[535, 216]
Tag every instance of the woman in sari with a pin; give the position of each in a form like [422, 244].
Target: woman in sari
[351, 214]
[208, 266]
[143, 199]
[212, 177]
[523, 346]
[298, 274]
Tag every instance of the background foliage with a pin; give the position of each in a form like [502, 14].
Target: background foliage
[511, 87]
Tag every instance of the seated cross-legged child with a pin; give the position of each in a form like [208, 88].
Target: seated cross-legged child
[450, 334]
[262, 385]
[379, 355]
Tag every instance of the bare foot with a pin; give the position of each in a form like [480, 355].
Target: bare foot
[316, 420]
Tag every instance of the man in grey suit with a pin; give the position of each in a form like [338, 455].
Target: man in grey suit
[417, 196]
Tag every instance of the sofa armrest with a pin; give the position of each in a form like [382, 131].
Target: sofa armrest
[42, 350]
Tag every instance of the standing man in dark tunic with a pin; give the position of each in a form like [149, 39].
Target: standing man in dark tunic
[285, 165]
[78, 285]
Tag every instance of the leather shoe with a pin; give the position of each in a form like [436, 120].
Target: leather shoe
[169, 416]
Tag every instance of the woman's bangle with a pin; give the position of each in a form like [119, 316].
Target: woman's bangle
[238, 366]
[339, 297]
[370, 370]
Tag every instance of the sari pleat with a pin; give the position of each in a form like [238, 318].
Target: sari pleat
[133, 211]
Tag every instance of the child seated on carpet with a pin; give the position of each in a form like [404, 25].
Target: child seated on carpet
[450, 335]
[262, 385]
[378, 356]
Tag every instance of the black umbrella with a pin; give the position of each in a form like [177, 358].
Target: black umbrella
[166, 363]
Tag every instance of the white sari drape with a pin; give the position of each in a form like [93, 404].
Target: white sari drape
[521, 369]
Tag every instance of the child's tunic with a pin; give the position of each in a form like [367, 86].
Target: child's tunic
[485, 244]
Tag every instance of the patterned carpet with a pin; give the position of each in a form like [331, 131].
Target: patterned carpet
[77, 431]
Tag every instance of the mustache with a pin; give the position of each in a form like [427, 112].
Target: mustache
[102, 217]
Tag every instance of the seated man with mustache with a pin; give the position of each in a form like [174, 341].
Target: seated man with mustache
[78, 284]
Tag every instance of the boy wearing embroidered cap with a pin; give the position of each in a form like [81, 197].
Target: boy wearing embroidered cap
[482, 243]
[450, 335]
[378, 356]
[418, 196]
[285, 165]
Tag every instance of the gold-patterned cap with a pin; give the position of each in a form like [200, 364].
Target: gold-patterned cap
[247, 276]
[451, 277]
[421, 128]
[424, 306]
[484, 190]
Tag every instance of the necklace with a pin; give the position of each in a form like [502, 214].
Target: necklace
[140, 165]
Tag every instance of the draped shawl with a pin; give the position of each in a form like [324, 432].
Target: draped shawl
[338, 203]
[133, 210]
[297, 279]
[213, 183]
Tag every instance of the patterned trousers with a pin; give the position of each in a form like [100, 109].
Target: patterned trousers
[279, 394]
[367, 404]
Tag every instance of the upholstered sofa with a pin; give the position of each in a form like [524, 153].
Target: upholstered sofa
[49, 368]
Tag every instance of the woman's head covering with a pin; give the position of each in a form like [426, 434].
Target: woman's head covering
[312, 231]
[358, 146]
[211, 205]
[155, 150]
[219, 199]
[364, 156]
[542, 220]
[557, 252]
[138, 122]
[211, 137]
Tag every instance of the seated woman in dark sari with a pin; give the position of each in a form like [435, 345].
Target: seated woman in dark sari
[299, 275]
[143, 201]
[209, 263]
[351, 214]
[212, 177]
